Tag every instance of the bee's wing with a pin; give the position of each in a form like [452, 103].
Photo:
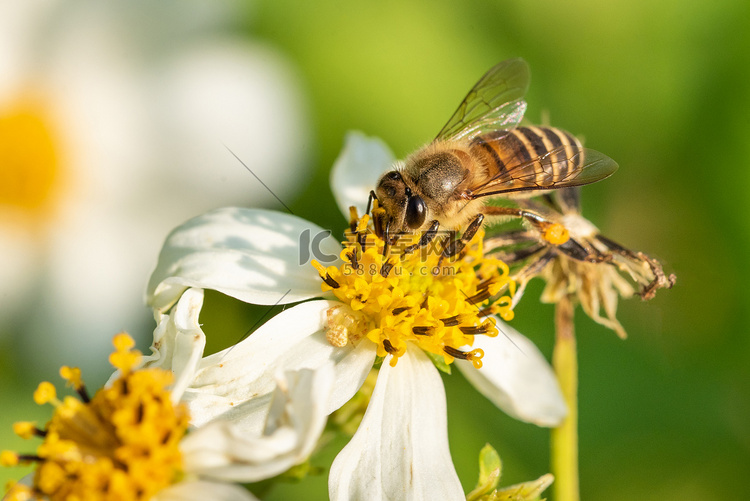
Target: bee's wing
[558, 168]
[495, 102]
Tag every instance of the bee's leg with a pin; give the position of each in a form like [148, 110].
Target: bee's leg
[553, 233]
[426, 238]
[519, 255]
[386, 236]
[532, 217]
[508, 239]
[586, 253]
[372, 197]
[456, 245]
[615, 247]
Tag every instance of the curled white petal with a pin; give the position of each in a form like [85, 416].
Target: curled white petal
[236, 384]
[179, 341]
[200, 490]
[357, 169]
[296, 420]
[400, 450]
[516, 377]
[257, 256]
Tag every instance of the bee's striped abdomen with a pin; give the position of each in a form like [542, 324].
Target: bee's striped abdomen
[547, 155]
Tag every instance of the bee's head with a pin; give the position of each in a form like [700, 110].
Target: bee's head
[406, 210]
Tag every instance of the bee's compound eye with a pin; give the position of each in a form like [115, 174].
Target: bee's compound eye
[416, 211]
[393, 175]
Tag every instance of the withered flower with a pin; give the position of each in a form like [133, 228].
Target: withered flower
[587, 264]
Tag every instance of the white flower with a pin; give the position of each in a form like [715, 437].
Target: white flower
[401, 449]
[114, 116]
[129, 440]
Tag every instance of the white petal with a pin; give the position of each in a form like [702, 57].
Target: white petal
[20, 24]
[236, 383]
[516, 377]
[298, 415]
[257, 256]
[179, 341]
[201, 490]
[400, 450]
[357, 170]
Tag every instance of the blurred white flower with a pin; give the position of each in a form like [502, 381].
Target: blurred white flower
[400, 449]
[115, 120]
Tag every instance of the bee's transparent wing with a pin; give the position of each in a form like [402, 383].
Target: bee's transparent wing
[558, 168]
[495, 102]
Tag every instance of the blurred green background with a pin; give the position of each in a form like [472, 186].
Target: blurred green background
[661, 87]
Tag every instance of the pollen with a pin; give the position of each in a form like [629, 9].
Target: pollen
[410, 296]
[121, 444]
[556, 234]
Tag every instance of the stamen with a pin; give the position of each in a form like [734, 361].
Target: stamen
[480, 296]
[473, 356]
[362, 240]
[45, 393]
[401, 305]
[455, 353]
[487, 327]
[386, 269]
[485, 283]
[124, 358]
[389, 347]
[330, 281]
[325, 276]
[353, 259]
[73, 376]
[361, 232]
[27, 429]
[353, 219]
[9, 458]
[453, 321]
[490, 310]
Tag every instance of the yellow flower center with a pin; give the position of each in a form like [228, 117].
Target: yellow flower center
[29, 163]
[121, 444]
[414, 296]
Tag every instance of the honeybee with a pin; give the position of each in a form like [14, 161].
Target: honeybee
[481, 153]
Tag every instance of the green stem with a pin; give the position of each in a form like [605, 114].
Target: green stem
[565, 437]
